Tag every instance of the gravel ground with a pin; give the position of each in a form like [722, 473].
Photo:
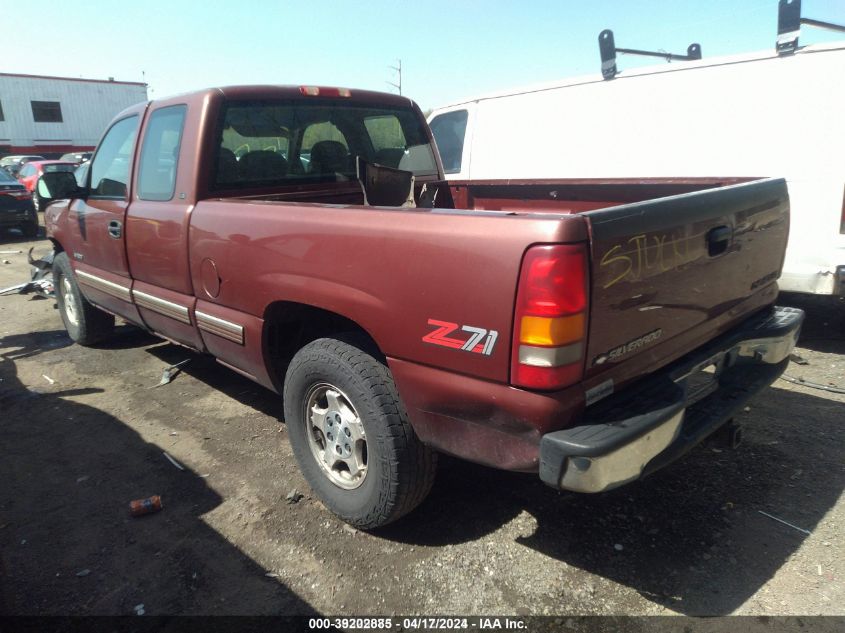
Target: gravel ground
[83, 431]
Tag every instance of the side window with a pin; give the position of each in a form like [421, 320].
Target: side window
[160, 153]
[449, 130]
[27, 171]
[110, 167]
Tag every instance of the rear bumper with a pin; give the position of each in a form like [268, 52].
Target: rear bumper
[646, 427]
[14, 216]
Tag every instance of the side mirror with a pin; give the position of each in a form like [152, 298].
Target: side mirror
[57, 185]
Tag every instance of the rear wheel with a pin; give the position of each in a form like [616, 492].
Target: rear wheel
[351, 435]
[85, 323]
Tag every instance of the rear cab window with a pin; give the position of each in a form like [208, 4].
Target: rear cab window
[287, 142]
[449, 130]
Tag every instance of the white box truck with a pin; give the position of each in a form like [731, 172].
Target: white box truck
[749, 115]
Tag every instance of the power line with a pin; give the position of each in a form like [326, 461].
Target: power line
[398, 71]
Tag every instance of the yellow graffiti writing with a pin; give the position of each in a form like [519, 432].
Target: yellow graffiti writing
[643, 253]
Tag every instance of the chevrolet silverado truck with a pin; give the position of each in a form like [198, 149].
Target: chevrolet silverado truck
[589, 331]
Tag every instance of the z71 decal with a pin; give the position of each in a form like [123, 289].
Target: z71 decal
[480, 341]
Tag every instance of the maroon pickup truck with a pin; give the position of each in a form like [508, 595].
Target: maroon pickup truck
[588, 331]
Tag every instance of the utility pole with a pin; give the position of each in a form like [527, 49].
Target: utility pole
[398, 71]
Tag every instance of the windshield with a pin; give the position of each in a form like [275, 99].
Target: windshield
[285, 142]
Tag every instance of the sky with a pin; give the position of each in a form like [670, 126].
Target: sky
[448, 49]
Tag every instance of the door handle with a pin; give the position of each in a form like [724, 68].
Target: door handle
[115, 229]
[718, 240]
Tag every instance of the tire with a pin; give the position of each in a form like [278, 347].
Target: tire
[85, 323]
[337, 384]
[30, 228]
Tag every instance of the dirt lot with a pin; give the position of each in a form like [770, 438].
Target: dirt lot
[82, 432]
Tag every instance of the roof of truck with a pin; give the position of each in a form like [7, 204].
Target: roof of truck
[645, 70]
[270, 91]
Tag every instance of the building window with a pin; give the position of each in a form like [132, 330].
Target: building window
[2, 118]
[46, 111]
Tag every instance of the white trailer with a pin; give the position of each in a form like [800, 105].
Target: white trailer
[750, 115]
[54, 115]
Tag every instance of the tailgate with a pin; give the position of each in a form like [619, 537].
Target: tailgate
[672, 266]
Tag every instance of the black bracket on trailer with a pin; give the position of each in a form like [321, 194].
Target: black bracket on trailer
[789, 26]
[608, 50]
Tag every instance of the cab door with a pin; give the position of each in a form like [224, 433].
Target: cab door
[158, 222]
[99, 258]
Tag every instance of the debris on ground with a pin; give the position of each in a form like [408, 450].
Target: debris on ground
[82, 573]
[173, 461]
[140, 507]
[139, 609]
[814, 385]
[293, 496]
[350, 529]
[41, 280]
[798, 359]
[10, 252]
[6, 261]
[48, 379]
[794, 527]
[618, 547]
[271, 574]
[79, 480]
[170, 373]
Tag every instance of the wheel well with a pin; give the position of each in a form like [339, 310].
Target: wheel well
[290, 326]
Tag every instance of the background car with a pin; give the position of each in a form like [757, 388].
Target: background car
[13, 164]
[81, 174]
[31, 172]
[77, 157]
[16, 207]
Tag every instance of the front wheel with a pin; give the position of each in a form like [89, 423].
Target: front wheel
[85, 323]
[351, 435]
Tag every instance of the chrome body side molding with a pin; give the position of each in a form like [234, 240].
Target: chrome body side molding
[220, 327]
[103, 285]
[162, 306]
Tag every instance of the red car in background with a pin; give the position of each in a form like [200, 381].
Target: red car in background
[32, 171]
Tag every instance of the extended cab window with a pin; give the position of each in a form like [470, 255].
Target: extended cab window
[110, 167]
[160, 153]
[298, 141]
[449, 130]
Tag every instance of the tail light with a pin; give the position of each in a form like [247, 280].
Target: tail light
[322, 91]
[550, 323]
[19, 194]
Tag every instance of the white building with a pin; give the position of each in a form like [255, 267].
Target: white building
[53, 115]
